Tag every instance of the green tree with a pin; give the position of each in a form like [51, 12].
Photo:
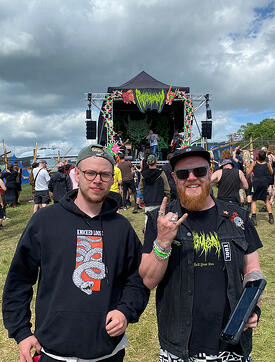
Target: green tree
[264, 129]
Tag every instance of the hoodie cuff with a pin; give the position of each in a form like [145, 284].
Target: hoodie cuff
[22, 334]
[123, 309]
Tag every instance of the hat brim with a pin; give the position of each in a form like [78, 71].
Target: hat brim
[179, 156]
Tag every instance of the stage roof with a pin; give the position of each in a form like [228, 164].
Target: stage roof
[142, 81]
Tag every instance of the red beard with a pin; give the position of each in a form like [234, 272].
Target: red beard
[194, 203]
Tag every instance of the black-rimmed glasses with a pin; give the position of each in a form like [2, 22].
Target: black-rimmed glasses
[197, 172]
[90, 175]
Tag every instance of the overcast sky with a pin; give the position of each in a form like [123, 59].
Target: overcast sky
[52, 52]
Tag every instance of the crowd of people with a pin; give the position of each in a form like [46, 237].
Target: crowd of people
[95, 276]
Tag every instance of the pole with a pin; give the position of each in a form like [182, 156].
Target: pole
[5, 154]
[35, 152]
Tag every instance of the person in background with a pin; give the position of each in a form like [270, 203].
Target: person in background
[168, 172]
[271, 157]
[229, 181]
[153, 139]
[199, 251]
[41, 181]
[127, 173]
[154, 186]
[116, 189]
[72, 177]
[60, 183]
[11, 185]
[262, 171]
[2, 191]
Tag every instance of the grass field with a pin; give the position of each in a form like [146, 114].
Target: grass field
[144, 345]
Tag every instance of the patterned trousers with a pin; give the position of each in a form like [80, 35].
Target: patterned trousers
[165, 356]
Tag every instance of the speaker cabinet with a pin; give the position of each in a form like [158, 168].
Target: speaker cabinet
[91, 130]
[206, 129]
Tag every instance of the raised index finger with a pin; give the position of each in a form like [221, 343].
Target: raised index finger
[163, 205]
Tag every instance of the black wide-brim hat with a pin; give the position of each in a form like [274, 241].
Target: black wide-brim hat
[187, 152]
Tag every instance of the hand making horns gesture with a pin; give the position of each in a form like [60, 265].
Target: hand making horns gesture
[167, 225]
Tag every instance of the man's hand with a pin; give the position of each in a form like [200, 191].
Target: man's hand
[167, 225]
[116, 323]
[25, 347]
[252, 322]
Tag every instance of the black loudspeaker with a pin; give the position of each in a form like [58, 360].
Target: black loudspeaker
[208, 114]
[206, 129]
[91, 130]
[88, 114]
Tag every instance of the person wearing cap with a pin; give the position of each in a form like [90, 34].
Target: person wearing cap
[41, 185]
[86, 258]
[229, 181]
[153, 185]
[199, 252]
[60, 183]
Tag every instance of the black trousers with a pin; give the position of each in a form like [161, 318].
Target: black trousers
[116, 358]
[128, 185]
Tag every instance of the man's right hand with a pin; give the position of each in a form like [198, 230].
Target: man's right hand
[25, 347]
[167, 225]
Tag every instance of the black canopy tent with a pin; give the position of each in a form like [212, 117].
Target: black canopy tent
[123, 112]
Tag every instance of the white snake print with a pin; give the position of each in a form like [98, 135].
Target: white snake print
[88, 264]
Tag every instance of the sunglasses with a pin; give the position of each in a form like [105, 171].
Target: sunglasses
[197, 172]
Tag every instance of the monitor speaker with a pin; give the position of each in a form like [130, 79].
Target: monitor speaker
[91, 130]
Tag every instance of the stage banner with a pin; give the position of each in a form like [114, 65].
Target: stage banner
[150, 99]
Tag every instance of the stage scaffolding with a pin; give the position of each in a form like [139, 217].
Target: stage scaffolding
[200, 99]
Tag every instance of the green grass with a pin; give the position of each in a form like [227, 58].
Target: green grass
[143, 339]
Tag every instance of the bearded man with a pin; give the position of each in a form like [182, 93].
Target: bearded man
[199, 252]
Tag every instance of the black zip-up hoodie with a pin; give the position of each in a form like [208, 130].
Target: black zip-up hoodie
[86, 267]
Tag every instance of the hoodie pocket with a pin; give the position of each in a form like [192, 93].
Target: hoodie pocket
[77, 334]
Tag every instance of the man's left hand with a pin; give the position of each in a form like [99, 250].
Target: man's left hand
[116, 323]
[252, 322]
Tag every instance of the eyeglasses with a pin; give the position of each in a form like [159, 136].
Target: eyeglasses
[90, 175]
[197, 172]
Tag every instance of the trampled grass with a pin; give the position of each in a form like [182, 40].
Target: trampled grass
[143, 339]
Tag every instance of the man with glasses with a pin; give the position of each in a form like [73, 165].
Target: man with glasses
[85, 256]
[199, 252]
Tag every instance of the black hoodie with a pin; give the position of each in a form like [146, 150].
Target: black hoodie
[154, 186]
[86, 267]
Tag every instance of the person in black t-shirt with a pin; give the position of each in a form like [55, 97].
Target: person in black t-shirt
[229, 181]
[199, 251]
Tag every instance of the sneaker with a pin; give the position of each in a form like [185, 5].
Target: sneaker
[254, 220]
[263, 209]
[271, 219]
[135, 209]
[124, 208]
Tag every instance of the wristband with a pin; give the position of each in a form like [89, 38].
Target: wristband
[159, 253]
[160, 248]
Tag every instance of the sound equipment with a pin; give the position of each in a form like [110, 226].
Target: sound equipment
[206, 129]
[91, 130]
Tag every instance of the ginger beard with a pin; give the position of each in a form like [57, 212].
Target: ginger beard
[193, 202]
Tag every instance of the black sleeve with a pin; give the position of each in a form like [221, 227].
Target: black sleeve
[69, 185]
[18, 289]
[251, 237]
[150, 232]
[135, 295]
[50, 185]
